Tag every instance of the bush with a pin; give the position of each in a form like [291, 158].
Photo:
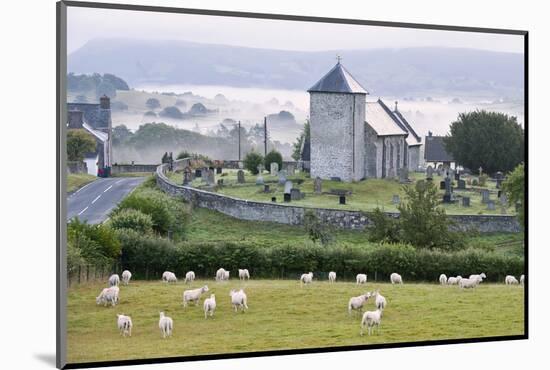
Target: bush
[96, 244]
[171, 112]
[384, 229]
[273, 156]
[317, 230]
[251, 162]
[152, 103]
[483, 180]
[134, 220]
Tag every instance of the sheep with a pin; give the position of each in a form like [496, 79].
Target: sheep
[124, 324]
[108, 295]
[225, 275]
[522, 280]
[356, 303]
[395, 278]
[193, 295]
[209, 305]
[166, 325]
[479, 277]
[454, 280]
[220, 274]
[468, 283]
[361, 279]
[114, 280]
[189, 277]
[510, 280]
[244, 274]
[306, 278]
[379, 300]
[332, 277]
[169, 277]
[443, 279]
[126, 276]
[371, 319]
[238, 299]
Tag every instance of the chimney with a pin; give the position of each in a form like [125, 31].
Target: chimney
[430, 133]
[395, 110]
[105, 102]
[75, 118]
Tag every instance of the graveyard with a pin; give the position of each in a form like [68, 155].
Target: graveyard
[365, 195]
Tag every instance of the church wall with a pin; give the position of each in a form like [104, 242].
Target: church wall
[394, 158]
[373, 153]
[414, 157]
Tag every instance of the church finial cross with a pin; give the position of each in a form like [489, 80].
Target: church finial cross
[338, 58]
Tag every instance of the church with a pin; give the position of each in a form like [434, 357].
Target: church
[352, 139]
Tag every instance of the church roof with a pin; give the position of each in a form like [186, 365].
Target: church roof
[435, 150]
[338, 80]
[413, 138]
[382, 119]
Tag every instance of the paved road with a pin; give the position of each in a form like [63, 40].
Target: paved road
[94, 202]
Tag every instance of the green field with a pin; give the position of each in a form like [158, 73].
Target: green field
[282, 315]
[366, 195]
[76, 181]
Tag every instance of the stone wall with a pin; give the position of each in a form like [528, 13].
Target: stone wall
[126, 168]
[293, 215]
[76, 167]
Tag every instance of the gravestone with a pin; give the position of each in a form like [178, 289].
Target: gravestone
[290, 169]
[457, 175]
[220, 182]
[403, 175]
[286, 197]
[282, 177]
[318, 185]
[442, 185]
[198, 172]
[187, 176]
[491, 205]
[465, 201]
[259, 180]
[295, 194]
[240, 177]
[266, 188]
[218, 170]
[429, 172]
[448, 196]
[288, 187]
[461, 184]
[395, 199]
[485, 196]
[210, 177]
[274, 168]
[274, 199]
[499, 178]
[260, 169]
[342, 199]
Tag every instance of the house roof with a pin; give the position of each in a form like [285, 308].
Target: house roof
[413, 138]
[382, 120]
[338, 80]
[100, 135]
[435, 150]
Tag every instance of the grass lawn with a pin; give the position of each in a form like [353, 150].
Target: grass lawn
[366, 195]
[76, 181]
[282, 315]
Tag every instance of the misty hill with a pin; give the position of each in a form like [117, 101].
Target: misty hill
[398, 72]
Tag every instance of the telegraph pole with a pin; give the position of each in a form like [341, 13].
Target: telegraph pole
[265, 136]
[239, 141]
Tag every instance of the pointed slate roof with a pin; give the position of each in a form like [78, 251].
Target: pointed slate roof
[413, 139]
[338, 80]
[381, 119]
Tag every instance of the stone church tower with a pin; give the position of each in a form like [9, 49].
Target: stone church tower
[337, 124]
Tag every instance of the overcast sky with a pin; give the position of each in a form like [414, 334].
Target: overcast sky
[85, 24]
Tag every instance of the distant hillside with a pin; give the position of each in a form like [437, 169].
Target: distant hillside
[396, 72]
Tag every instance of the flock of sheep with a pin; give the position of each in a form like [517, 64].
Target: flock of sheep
[370, 319]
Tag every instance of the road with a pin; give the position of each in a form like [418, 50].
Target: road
[93, 202]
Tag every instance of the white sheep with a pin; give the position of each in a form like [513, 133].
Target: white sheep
[510, 280]
[124, 324]
[108, 295]
[479, 277]
[189, 277]
[209, 305]
[454, 280]
[443, 279]
[193, 295]
[220, 274]
[306, 278]
[114, 280]
[371, 319]
[357, 303]
[169, 277]
[126, 276]
[244, 274]
[395, 278]
[166, 325]
[379, 300]
[225, 275]
[332, 277]
[468, 283]
[238, 299]
[361, 279]
[522, 279]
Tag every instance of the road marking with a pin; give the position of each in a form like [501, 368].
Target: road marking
[81, 212]
[99, 196]
[85, 186]
[118, 182]
[107, 188]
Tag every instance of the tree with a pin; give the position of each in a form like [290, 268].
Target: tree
[79, 142]
[297, 146]
[152, 103]
[171, 112]
[273, 156]
[514, 188]
[251, 162]
[491, 140]
[317, 230]
[121, 133]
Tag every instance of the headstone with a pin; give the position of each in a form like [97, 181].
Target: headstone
[499, 177]
[457, 175]
[220, 182]
[260, 169]
[491, 205]
[259, 180]
[485, 196]
[218, 170]
[266, 188]
[286, 197]
[442, 185]
[395, 199]
[465, 201]
[342, 199]
[461, 184]
[274, 168]
[240, 177]
[187, 176]
[318, 185]
[295, 194]
[429, 172]
[198, 172]
[288, 187]
[403, 175]
[448, 196]
[210, 178]
[282, 177]
[274, 199]
[290, 169]
[241, 165]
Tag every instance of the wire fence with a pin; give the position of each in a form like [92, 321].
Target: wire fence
[89, 273]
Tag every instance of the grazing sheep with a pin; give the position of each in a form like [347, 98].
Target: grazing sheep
[468, 283]
[244, 274]
[238, 299]
[306, 278]
[371, 319]
[220, 274]
[189, 277]
[522, 279]
[114, 280]
[356, 303]
[443, 279]
[169, 277]
[479, 277]
[225, 275]
[209, 305]
[510, 280]
[108, 295]
[126, 276]
[166, 325]
[379, 300]
[454, 280]
[395, 278]
[124, 324]
[193, 295]
[361, 279]
[331, 277]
